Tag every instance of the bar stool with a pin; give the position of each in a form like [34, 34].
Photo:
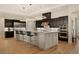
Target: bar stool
[23, 33]
[29, 33]
[17, 34]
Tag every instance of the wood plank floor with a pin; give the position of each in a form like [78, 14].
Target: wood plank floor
[11, 46]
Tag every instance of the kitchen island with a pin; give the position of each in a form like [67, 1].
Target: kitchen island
[44, 38]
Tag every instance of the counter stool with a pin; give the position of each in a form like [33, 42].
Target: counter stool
[17, 34]
[23, 33]
[29, 33]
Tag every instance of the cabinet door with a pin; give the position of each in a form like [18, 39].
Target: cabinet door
[9, 34]
[9, 23]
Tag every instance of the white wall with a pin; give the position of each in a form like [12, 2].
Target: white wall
[70, 28]
[77, 26]
[1, 27]
[58, 12]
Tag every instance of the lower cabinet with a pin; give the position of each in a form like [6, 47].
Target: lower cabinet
[9, 34]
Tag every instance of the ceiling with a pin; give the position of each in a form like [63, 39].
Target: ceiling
[25, 10]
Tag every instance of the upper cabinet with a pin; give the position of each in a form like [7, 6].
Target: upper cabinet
[9, 23]
[19, 23]
[59, 22]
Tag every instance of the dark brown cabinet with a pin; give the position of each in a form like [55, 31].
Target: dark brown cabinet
[9, 24]
[9, 34]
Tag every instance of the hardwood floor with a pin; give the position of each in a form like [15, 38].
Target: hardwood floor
[11, 46]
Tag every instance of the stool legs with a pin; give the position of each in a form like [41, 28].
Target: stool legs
[17, 36]
[30, 41]
[23, 38]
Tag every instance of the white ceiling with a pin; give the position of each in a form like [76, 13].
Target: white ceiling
[25, 10]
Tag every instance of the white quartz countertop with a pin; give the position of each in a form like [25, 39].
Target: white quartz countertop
[42, 30]
[49, 30]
